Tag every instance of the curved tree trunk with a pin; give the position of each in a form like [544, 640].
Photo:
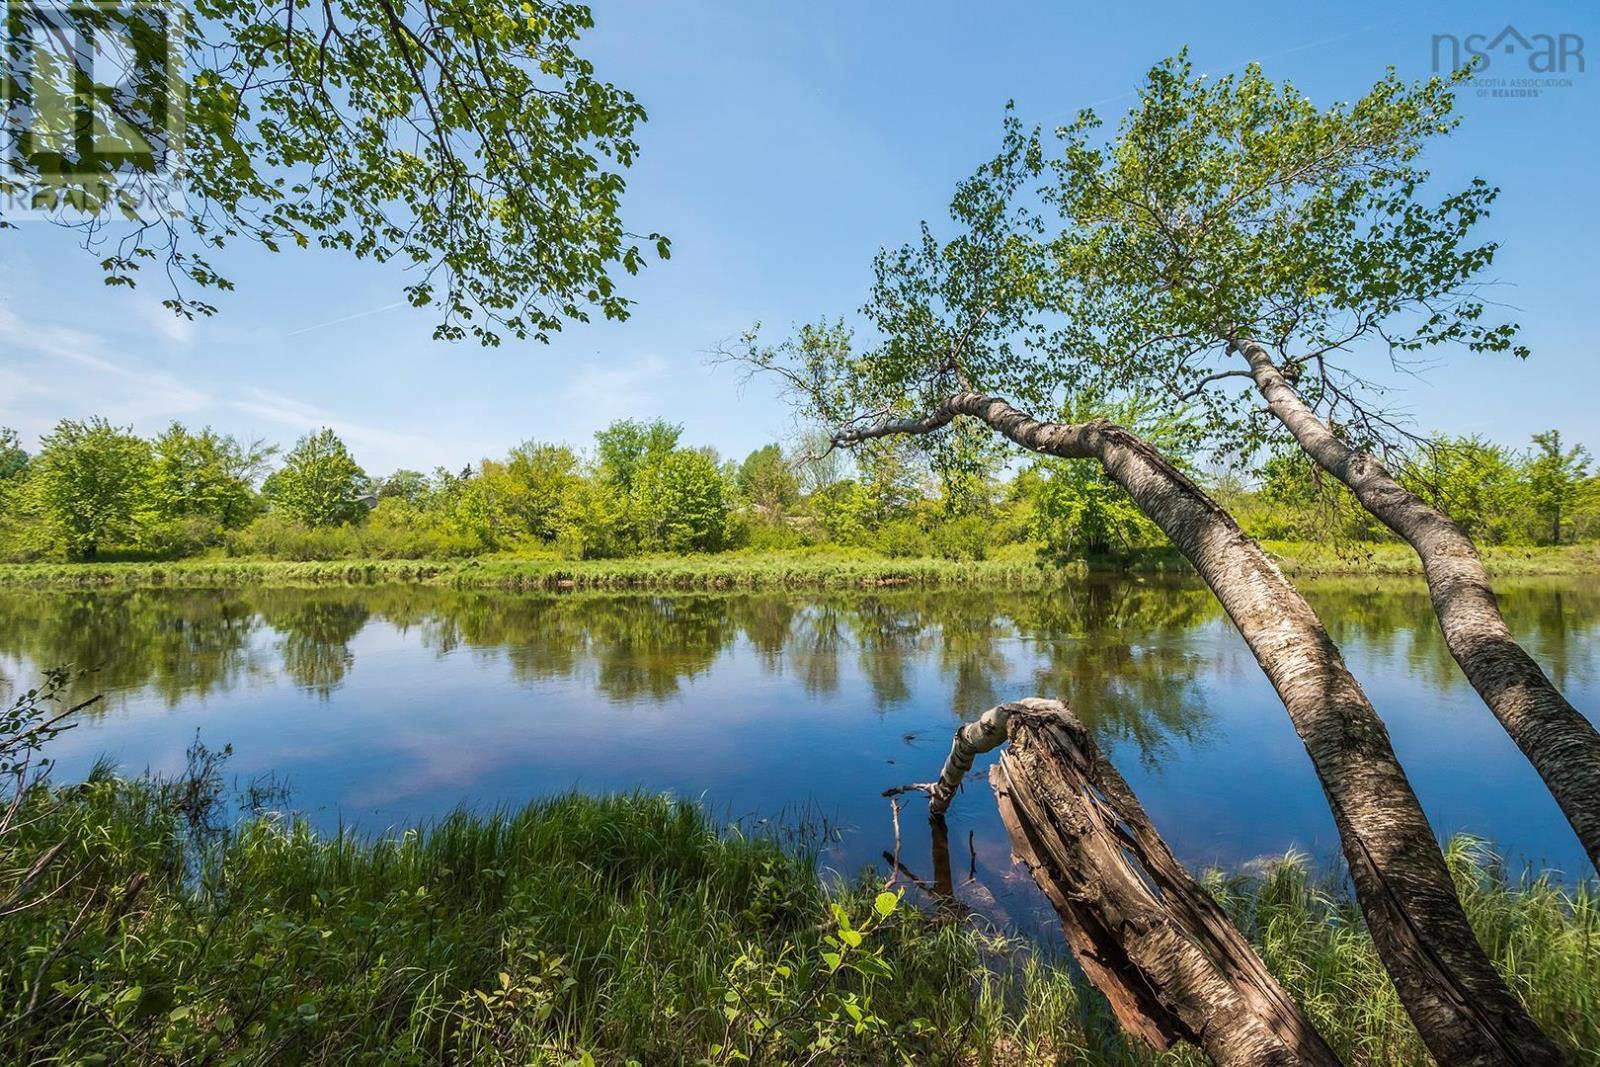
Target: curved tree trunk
[1560, 743]
[1458, 1001]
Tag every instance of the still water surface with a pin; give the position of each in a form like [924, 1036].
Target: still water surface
[385, 706]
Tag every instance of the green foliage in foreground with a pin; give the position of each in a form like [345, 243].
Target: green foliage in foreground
[616, 930]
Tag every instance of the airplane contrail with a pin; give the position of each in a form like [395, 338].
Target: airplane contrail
[346, 318]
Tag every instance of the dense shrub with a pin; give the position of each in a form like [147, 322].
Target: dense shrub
[903, 539]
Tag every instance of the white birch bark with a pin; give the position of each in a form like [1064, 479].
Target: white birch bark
[1562, 745]
[1458, 1001]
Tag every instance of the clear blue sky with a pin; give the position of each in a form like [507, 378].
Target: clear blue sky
[786, 143]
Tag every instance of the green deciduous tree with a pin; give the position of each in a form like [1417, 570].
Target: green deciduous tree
[91, 480]
[472, 142]
[625, 446]
[13, 458]
[893, 476]
[1478, 483]
[1079, 510]
[1233, 231]
[529, 494]
[320, 483]
[680, 502]
[1220, 214]
[767, 480]
[411, 486]
[1555, 475]
[22, 535]
[206, 474]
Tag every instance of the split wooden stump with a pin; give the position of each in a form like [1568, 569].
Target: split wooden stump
[1149, 937]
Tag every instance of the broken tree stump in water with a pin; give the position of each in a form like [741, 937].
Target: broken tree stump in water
[1146, 932]
[983, 734]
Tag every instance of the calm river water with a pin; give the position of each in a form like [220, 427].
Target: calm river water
[384, 706]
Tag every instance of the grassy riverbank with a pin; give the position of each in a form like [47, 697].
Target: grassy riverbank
[774, 570]
[613, 931]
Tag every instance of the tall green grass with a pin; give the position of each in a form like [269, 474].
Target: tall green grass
[617, 930]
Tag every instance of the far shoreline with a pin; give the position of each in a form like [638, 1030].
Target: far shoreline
[751, 571]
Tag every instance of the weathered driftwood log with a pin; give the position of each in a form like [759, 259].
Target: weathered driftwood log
[1146, 933]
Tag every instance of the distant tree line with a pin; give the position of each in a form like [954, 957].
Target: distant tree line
[1546, 494]
[97, 490]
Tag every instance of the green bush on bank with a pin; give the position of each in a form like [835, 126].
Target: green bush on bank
[1012, 567]
[799, 570]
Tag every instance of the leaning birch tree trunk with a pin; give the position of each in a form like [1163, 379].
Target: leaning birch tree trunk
[984, 734]
[1562, 745]
[1458, 1001]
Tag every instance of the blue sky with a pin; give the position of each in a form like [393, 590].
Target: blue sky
[786, 143]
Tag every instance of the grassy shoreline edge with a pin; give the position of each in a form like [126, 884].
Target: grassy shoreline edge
[633, 929]
[740, 571]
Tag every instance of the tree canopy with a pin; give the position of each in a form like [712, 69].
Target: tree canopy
[89, 479]
[1556, 475]
[473, 144]
[207, 474]
[320, 483]
[1218, 210]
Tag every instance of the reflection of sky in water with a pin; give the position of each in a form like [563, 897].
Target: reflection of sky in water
[385, 706]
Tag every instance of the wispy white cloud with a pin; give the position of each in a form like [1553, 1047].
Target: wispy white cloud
[52, 370]
[49, 371]
[301, 416]
[163, 323]
[603, 393]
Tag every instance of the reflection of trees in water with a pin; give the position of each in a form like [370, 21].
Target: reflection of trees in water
[633, 646]
[890, 635]
[1560, 621]
[972, 628]
[1116, 652]
[1121, 651]
[535, 635]
[175, 644]
[315, 635]
[766, 622]
[816, 639]
[1555, 619]
[645, 647]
